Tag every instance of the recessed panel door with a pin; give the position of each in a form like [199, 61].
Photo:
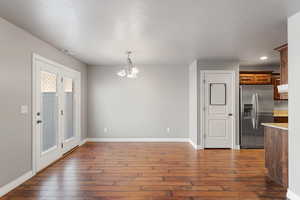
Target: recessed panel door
[218, 102]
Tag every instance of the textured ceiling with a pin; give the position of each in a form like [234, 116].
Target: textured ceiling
[99, 32]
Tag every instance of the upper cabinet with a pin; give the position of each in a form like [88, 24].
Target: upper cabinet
[255, 77]
[283, 50]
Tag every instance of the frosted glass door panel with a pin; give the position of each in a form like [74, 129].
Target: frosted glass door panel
[49, 111]
[69, 108]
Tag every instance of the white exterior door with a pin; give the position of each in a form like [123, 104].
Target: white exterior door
[47, 117]
[56, 111]
[69, 111]
[219, 111]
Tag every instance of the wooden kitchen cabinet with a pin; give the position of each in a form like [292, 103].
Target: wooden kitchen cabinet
[247, 79]
[263, 79]
[276, 155]
[283, 50]
[280, 119]
[255, 78]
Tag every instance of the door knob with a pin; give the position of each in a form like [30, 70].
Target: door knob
[39, 121]
[230, 114]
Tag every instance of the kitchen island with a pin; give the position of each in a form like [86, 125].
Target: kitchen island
[276, 152]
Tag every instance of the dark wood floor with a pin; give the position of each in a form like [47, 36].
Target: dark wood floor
[152, 171]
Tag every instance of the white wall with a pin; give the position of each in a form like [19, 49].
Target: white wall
[16, 48]
[294, 106]
[138, 108]
[193, 102]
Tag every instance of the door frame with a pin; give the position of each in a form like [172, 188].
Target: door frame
[36, 57]
[202, 105]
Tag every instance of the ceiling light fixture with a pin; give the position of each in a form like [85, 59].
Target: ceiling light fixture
[130, 71]
[264, 58]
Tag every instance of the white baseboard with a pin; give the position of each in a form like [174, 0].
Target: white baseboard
[237, 147]
[82, 142]
[15, 183]
[292, 196]
[138, 139]
[195, 146]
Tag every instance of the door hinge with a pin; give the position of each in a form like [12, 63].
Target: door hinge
[204, 108]
[204, 81]
[62, 112]
[62, 145]
[62, 79]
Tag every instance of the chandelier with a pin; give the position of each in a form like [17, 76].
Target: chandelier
[129, 71]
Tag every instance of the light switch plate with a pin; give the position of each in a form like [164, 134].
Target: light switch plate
[24, 109]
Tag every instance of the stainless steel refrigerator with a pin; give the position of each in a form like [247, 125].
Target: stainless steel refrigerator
[256, 107]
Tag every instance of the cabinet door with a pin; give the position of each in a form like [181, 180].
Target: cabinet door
[276, 155]
[247, 79]
[263, 79]
[284, 71]
[284, 66]
[281, 120]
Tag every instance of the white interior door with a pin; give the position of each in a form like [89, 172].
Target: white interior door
[218, 109]
[56, 111]
[47, 118]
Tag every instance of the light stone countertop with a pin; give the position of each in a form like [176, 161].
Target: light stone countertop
[283, 126]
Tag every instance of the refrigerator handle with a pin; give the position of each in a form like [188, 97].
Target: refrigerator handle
[241, 103]
[253, 112]
[257, 103]
[256, 111]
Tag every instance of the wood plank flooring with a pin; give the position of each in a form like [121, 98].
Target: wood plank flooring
[152, 171]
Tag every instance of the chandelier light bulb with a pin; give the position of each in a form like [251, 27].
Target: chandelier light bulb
[135, 70]
[122, 73]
